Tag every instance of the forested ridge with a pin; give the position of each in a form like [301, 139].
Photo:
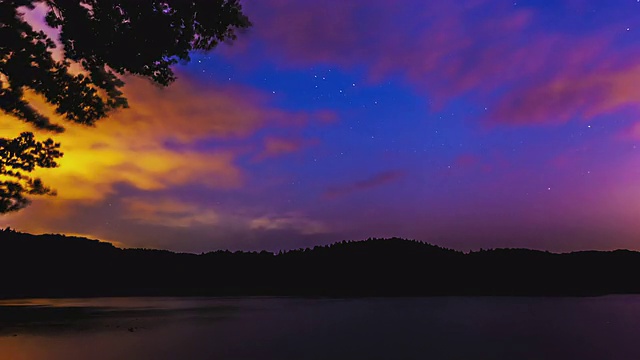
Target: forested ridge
[65, 266]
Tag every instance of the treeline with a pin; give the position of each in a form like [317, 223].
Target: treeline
[62, 266]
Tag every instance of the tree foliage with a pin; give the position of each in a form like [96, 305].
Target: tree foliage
[103, 39]
[17, 157]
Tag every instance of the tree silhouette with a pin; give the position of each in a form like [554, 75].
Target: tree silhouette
[18, 156]
[59, 266]
[104, 39]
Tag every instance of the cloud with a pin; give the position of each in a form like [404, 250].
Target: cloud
[565, 97]
[289, 222]
[379, 179]
[145, 159]
[129, 147]
[168, 212]
[476, 48]
[446, 42]
[466, 160]
[631, 133]
[278, 146]
[153, 145]
[156, 144]
[172, 142]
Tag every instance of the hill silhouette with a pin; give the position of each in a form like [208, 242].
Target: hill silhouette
[64, 266]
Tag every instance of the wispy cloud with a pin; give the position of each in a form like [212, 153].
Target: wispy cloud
[131, 146]
[169, 212]
[502, 56]
[566, 97]
[289, 222]
[379, 179]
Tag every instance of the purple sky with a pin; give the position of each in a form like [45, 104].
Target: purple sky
[468, 124]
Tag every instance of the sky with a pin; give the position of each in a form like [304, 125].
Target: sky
[466, 124]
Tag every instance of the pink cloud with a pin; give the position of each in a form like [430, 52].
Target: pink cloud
[467, 160]
[566, 96]
[478, 48]
[277, 146]
[379, 179]
[631, 133]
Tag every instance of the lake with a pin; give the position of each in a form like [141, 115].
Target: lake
[296, 328]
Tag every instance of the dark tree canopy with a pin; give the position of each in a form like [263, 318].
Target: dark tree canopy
[105, 38]
[375, 267]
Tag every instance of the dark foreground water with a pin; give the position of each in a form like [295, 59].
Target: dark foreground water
[288, 328]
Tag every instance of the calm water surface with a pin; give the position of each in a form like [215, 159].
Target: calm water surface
[290, 328]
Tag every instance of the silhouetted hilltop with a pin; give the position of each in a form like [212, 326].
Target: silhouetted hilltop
[64, 266]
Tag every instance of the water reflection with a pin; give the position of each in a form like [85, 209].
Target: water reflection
[54, 316]
[273, 328]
